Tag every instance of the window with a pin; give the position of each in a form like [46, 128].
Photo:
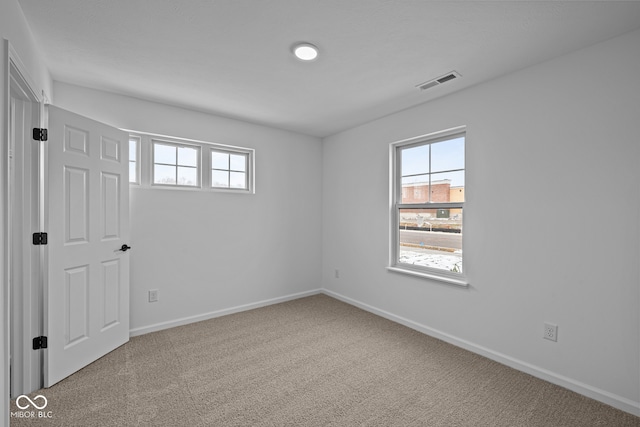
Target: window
[166, 162]
[134, 155]
[229, 169]
[428, 182]
[175, 164]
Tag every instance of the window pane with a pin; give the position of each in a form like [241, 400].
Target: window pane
[219, 160]
[133, 150]
[443, 185]
[187, 176]
[164, 154]
[238, 162]
[431, 238]
[238, 180]
[219, 179]
[447, 155]
[132, 172]
[415, 160]
[415, 178]
[164, 174]
[187, 156]
[416, 191]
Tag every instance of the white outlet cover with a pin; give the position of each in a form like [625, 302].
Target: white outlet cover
[153, 296]
[550, 332]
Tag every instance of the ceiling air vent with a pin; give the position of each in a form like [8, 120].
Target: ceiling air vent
[439, 80]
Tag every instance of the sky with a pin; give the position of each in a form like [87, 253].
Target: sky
[447, 162]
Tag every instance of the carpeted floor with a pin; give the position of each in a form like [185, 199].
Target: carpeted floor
[310, 362]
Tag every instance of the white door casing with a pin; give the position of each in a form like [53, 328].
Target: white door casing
[87, 309]
[24, 257]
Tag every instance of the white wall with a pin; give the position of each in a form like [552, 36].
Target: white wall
[551, 220]
[211, 251]
[14, 28]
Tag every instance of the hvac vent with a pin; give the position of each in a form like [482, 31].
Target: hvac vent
[438, 81]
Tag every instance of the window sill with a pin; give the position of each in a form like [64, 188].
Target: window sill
[462, 281]
[190, 188]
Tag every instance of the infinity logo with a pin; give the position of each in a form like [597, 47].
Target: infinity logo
[34, 404]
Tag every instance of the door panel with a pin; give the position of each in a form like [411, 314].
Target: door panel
[88, 221]
[76, 292]
[110, 206]
[111, 290]
[76, 205]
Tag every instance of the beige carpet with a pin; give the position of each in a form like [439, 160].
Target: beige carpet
[310, 362]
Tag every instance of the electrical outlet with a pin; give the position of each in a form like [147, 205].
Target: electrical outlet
[337, 274]
[550, 332]
[153, 295]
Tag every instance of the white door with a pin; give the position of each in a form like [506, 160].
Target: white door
[87, 297]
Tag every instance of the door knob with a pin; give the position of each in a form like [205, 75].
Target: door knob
[125, 248]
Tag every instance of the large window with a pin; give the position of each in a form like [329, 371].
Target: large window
[428, 190]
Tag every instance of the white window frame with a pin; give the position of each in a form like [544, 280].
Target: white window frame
[138, 140]
[248, 166]
[146, 162]
[198, 166]
[395, 204]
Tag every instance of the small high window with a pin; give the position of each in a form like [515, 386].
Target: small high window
[229, 169]
[176, 164]
[134, 155]
[159, 161]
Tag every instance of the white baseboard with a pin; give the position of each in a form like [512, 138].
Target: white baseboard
[218, 313]
[595, 393]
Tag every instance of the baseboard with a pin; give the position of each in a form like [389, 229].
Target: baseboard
[595, 393]
[218, 313]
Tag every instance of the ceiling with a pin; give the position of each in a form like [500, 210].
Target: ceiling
[233, 57]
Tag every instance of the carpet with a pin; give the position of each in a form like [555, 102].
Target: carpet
[314, 361]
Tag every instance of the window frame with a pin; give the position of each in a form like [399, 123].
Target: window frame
[138, 140]
[248, 168]
[146, 163]
[197, 167]
[395, 205]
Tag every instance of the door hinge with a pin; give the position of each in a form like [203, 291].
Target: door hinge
[40, 134]
[40, 238]
[39, 342]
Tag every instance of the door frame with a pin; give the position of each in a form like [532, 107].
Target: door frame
[18, 78]
[24, 219]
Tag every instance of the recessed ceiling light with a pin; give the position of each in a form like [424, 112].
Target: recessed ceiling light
[305, 51]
